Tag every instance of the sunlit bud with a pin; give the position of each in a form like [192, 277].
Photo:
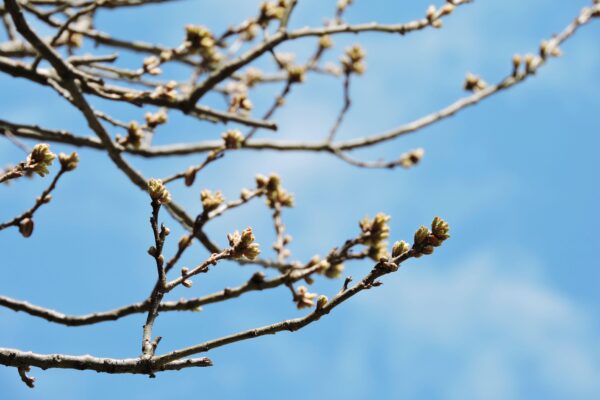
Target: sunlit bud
[322, 301]
[158, 192]
[211, 201]
[40, 159]
[68, 162]
[400, 248]
[516, 61]
[440, 228]
[325, 41]
[261, 181]
[421, 235]
[529, 63]
[233, 139]
[430, 14]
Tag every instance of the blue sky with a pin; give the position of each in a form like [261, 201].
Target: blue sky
[506, 309]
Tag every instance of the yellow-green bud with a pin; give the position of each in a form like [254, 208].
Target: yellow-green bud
[421, 235]
[325, 42]
[211, 201]
[242, 245]
[440, 228]
[68, 162]
[233, 139]
[322, 301]
[261, 181]
[158, 192]
[399, 248]
[40, 159]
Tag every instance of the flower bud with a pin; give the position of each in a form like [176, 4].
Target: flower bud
[430, 13]
[252, 251]
[322, 301]
[530, 63]
[190, 176]
[40, 159]
[184, 242]
[421, 235]
[516, 61]
[399, 248]
[261, 181]
[233, 139]
[296, 73]
[26, 227]
[68, 162]
[211, 201]
[153, 120]
[447, 9]
[325, 42]
[313, 261]
[440, 228]
[158, 192]
[303, 298]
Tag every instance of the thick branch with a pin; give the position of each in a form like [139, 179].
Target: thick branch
[18, 358]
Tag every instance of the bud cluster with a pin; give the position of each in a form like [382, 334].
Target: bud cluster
[425, 240]
[135, 135]
[353, 60]
[211, 201]
[40, 159]
[343, 4]
[200, 39]
[68, 162]
[434, 16]
[547, 50]
[269, 11]
[252, 77]
[156, 119]
[240, 102]
[249, 31]
[242, 245]
[151, 65]
[330, 270]
[233, 139]
[274, 192]
[158, 192]
[375, 231]
[473, 83]
[167, 91]
[399, 248]
[304, 299]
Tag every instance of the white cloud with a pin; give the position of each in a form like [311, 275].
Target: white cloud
[507, 331]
